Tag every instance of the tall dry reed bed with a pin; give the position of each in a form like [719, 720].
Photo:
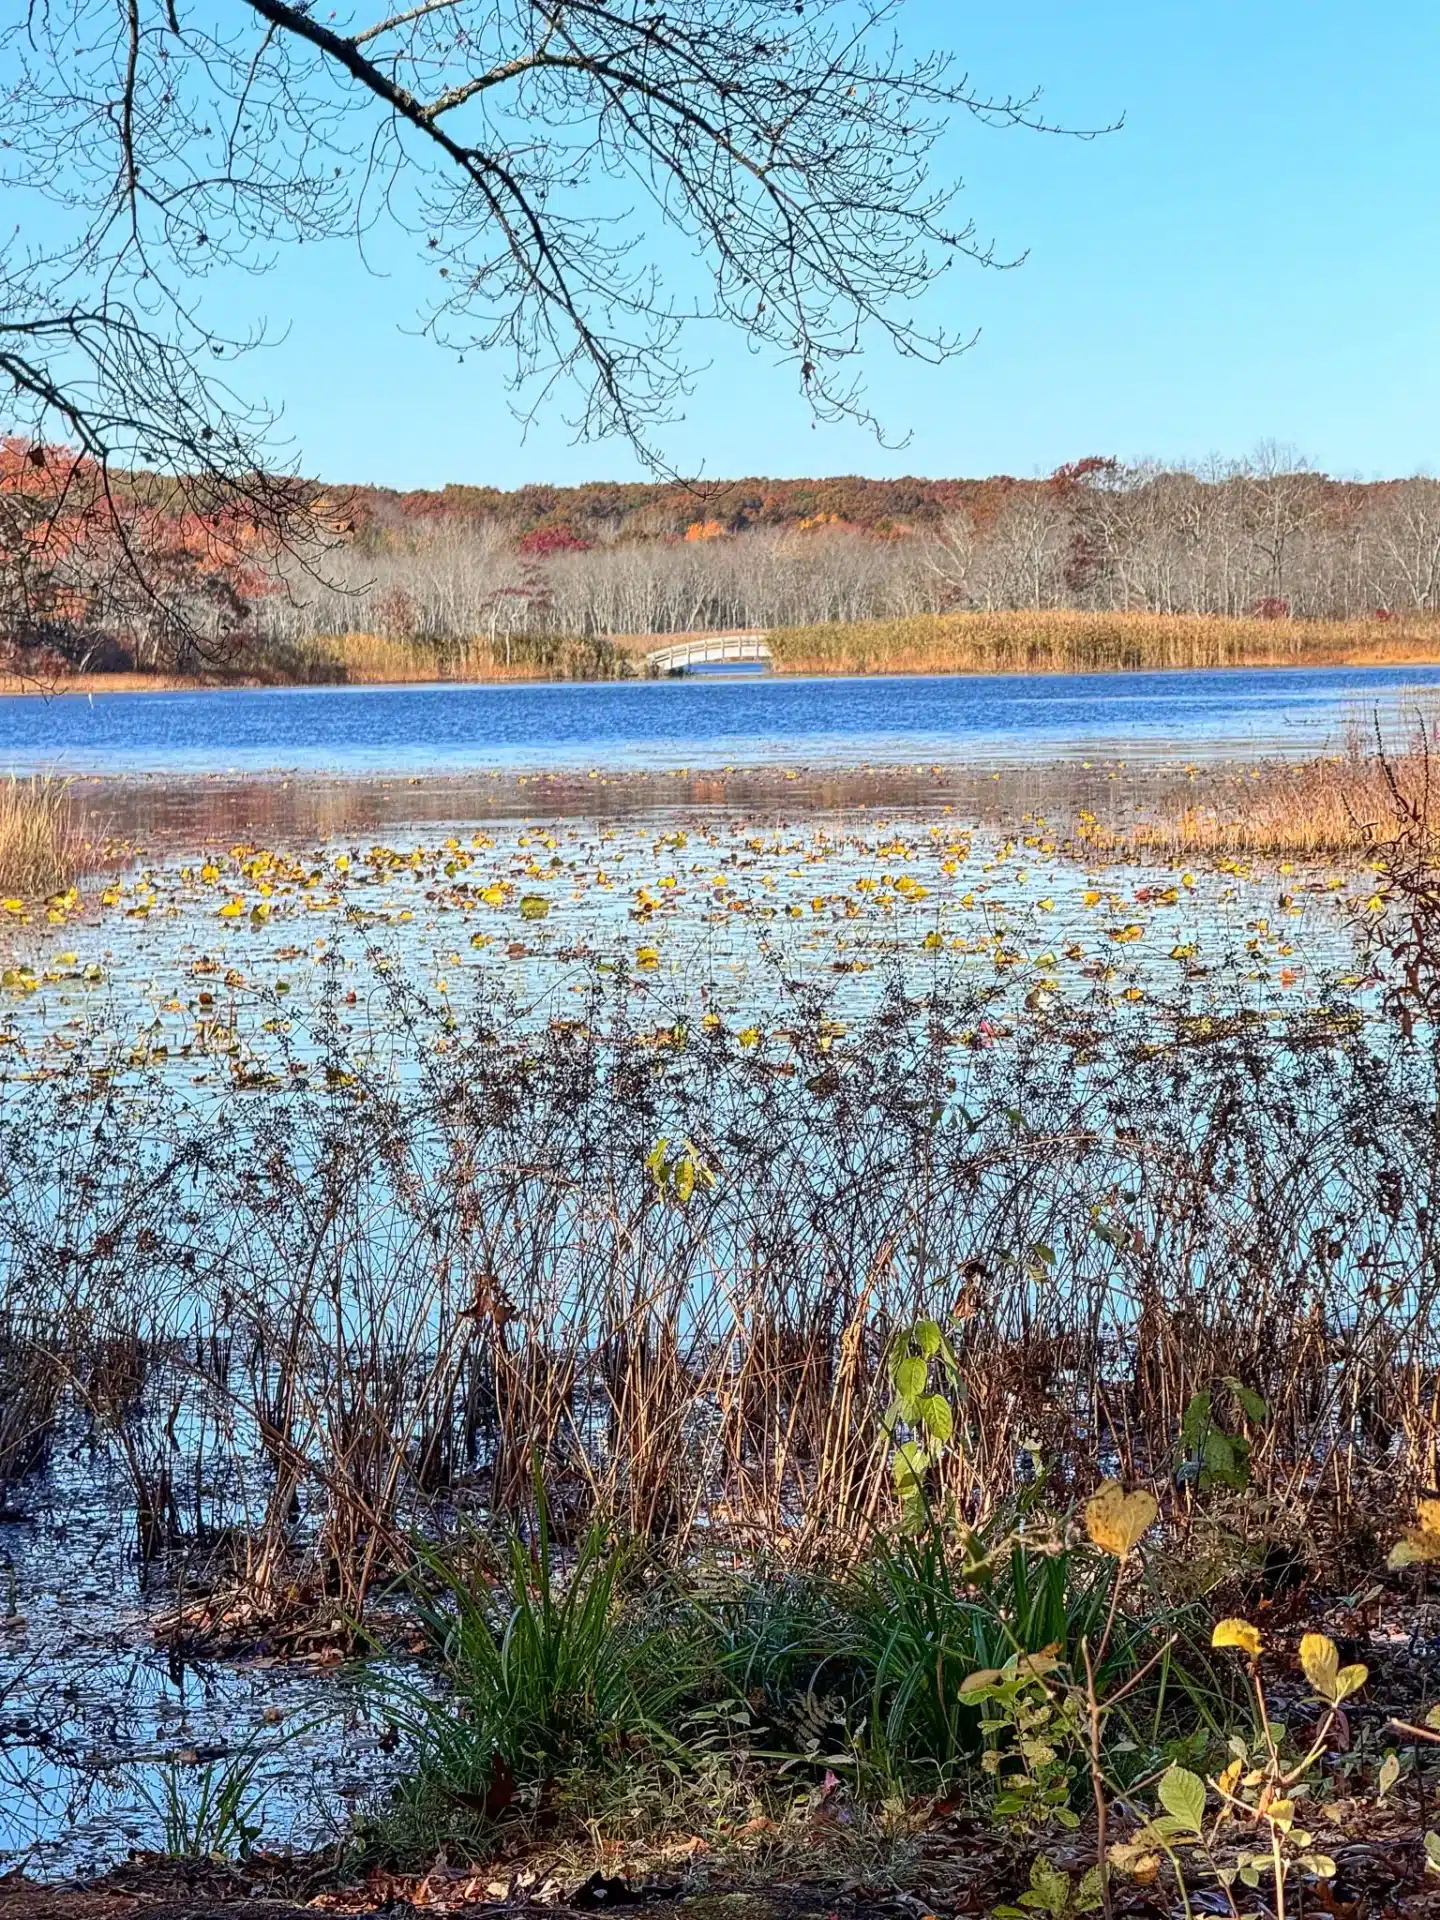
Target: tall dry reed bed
[668, 1263]
[1336, 805]
[1065, 640]
[41, 846]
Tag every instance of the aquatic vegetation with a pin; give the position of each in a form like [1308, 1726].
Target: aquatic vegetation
[902, 1252]
[41, 849]
[377, 659]
[411, 1231]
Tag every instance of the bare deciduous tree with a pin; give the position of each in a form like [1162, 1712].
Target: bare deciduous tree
[1232, 538]
[156, 147]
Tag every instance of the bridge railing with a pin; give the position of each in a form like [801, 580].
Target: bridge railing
[707, 650]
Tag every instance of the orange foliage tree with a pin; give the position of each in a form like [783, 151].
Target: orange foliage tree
[99, 572]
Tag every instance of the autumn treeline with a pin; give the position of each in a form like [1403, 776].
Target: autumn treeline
[1265, 538]
[566, 582]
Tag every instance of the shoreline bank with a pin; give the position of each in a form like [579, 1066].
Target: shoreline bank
[75, 686]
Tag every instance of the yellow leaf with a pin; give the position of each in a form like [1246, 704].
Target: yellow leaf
[1350, 1680]
[1116, 1520]
[1132, 1857]
[647, 957]
[1037, 1665]
[1237, 1633]
[1320, 1659]
[749, 1036]
[1420, 1544]
[232, 909]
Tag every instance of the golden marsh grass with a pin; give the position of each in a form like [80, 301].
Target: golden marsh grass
[40, 841]
[1064, 641]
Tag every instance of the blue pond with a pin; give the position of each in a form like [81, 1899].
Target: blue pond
[707, 722]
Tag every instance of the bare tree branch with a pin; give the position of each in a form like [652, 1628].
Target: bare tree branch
[528, 146]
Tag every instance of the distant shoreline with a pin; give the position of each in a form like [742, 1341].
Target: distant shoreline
[1027, 644]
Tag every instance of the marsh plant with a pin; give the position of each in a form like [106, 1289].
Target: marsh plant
[722, 1280]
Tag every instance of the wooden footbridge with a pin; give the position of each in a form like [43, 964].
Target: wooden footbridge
[709, 650]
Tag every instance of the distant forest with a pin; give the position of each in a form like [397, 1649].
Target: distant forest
[1266, 536]
[648, 510]
[598, 566]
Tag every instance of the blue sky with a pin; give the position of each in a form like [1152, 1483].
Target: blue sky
[1255, 255]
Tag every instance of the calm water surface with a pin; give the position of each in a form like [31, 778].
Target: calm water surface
[92, 1710]
[700, 722]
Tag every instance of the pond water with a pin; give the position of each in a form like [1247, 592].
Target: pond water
[96, 1718]
[707, 722]
[202, 963]
[201, 966]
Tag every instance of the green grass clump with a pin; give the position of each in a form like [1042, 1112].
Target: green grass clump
[557, 1678]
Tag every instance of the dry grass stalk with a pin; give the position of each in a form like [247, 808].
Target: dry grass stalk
[375, 659]
[1065, 641]
[1334, 807]
[41, 847]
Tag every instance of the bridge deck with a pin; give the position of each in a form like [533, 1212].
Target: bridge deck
[709, 649]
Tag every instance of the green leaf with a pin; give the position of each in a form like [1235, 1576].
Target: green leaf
[909, 1377]
[1197, 1419]
[1252, 1405]
[534, 906]
[936, 1417]
[908, 1464]
[926, 1335]
[1182, 1794]
[1219, 1453]
[1049, 1888]
[1091, 1891]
